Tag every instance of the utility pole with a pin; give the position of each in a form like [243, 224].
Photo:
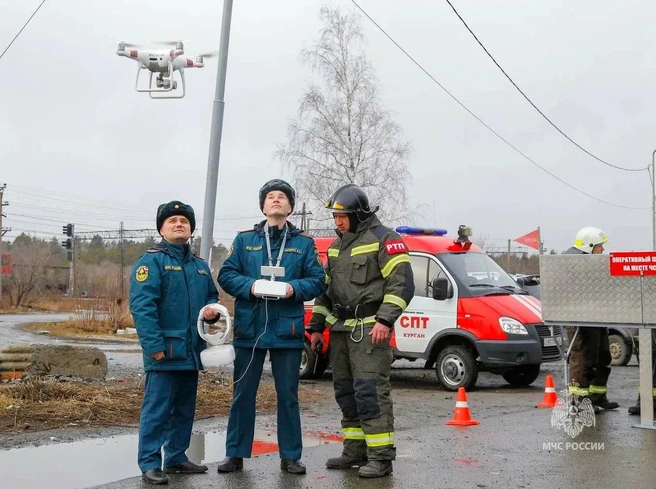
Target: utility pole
[69, 244]
[120, 233]
[215, 136]
[508, 258]
[653, 200]
[305, 220]
[2, 203]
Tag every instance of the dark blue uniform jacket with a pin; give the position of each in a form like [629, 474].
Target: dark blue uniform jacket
[169, 286]
[282, 319]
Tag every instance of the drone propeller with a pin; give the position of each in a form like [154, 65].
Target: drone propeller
[168, 43]
[211, 54]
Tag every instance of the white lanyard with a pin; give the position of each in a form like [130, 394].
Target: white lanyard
[268, 243]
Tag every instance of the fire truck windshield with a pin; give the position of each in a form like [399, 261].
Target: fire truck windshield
[479, 273]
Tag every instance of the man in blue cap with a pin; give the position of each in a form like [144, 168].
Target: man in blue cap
[169, 285]
[275, 326]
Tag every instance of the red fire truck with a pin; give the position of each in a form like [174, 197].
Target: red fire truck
[467, 315]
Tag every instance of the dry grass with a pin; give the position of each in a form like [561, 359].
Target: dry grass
[36, 405]
[78, 329]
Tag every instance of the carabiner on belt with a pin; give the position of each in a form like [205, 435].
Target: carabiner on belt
[360, 322]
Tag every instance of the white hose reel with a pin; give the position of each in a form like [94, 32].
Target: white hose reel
[218, 354]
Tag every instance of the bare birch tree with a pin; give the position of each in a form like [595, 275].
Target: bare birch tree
[342, 133]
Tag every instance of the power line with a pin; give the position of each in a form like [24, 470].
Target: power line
[485, 124]
[132, 211]
[86, 204]
[535, 106]
[24, 26]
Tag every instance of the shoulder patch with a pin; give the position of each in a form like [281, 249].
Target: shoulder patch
[395, 247]
[232, 248]
[141, 274]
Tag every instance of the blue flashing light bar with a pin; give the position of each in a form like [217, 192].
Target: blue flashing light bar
[410, 230]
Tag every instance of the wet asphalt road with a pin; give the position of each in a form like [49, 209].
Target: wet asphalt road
[504, 451]
[515, 446]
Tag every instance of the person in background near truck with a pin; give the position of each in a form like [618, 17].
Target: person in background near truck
[275, 326]
[370, 285]
[169, 285]
[636, 409]
[589, 362]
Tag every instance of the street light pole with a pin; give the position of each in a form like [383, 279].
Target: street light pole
[653, 200]
[215, 136]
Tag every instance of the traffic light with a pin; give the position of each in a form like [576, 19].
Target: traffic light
[67, 243]
[68, 230]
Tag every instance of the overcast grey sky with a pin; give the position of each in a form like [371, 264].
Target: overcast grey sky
[78, 144]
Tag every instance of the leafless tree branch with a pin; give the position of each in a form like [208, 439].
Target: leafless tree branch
[342, 134]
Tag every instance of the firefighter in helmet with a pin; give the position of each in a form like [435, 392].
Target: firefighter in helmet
[589, 363]
[370, 285]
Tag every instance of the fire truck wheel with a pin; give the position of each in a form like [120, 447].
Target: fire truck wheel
[522, 376]
[456, 367]
[312, 366]
[620, 350]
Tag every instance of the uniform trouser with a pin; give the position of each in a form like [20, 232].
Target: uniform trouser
[285, 365]
[167, 417]
[361, 377]
[589, 362]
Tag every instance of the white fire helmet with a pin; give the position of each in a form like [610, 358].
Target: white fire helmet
[587, 238]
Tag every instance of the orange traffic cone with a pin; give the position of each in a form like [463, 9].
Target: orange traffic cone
[550, 397]
[461, 416]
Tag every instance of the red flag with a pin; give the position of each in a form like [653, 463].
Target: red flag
[532, 239]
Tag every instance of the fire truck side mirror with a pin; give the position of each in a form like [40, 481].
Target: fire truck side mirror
[442, 289]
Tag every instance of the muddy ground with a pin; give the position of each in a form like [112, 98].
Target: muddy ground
[416, 393]
[418, 398]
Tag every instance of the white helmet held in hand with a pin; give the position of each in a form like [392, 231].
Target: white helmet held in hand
[589, 237]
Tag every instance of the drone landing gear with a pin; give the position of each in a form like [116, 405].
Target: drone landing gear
[164, 86]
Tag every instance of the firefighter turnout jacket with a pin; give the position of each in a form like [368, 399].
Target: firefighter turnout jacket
[369, 279]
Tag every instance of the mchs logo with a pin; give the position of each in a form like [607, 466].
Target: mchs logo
[572, 414]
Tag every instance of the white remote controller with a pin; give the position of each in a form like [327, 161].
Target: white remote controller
[269, 289]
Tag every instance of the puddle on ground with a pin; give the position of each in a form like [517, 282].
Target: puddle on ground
[89, 463]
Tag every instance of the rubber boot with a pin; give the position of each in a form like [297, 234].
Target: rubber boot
[376, 468]
[601, 401]
[346, 461]
[636, 409]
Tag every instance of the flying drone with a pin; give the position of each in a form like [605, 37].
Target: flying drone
[162, 64]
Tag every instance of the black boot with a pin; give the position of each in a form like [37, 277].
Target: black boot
[230, 464]
[155, 476]
[601, 401]
[346, 461]
[187, 467]
[376, 468]
[293, 466]
[636, 409]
